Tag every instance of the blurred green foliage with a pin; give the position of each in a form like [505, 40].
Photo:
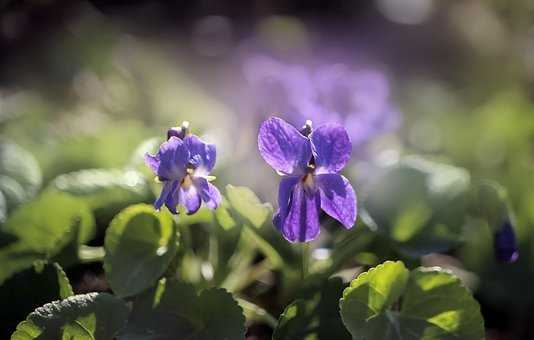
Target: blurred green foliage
[76, 124]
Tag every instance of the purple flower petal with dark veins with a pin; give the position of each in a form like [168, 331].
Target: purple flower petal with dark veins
[152, 162]
[284, 197]
[189, 198]
[166, 191]
[338, 198]
[202, 155]
[283, 147]
[331, 148]
[170, 161]
[208, 192]
[310, 179]
[505, 243]
[182, 166]
[302, 221]
[172, 200]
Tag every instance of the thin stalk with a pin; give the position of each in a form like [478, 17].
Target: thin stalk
[305, 256]
[88, 254]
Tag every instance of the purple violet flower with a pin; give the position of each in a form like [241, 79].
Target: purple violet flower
[357, 99]
[309, 162]
[183, 165]
[279, 88]
[505, 244]
[360, 100]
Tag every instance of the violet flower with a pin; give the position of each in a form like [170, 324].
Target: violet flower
[183, 166]
[357, 99]
[360, 100]
[504, 243]
[309, 162]
[279, 88]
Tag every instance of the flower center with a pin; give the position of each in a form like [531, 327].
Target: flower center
[187, 182]
[308, 182]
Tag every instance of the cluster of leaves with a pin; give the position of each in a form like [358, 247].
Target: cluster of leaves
[206, 276]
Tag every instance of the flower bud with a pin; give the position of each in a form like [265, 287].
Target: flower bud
[505, 244]
[179, 131]
[306, 128]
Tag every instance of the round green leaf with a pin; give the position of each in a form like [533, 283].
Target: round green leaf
[389, 302]
[174, 311]
[84, 317]
[140, 243]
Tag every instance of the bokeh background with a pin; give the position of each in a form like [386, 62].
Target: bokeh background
[89, 84]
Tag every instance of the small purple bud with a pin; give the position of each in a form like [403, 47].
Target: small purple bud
[178, 131]
[307, 128]
[505, 244]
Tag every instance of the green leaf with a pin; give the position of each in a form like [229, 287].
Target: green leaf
[137, 158]
[491, 200]
[254, 313]
[389, 302]
[225, 237]
[20, 175]
[13, 192]
[84, 317]
[105, 191]
[140, 243]
[3, 210]
[294, 321]
[256, 216]
[20, 165]
[16, 257]
[420, 205]
[54, 270]
[29, 289]
[248, 205]
[47, 224]
[174, 311]
[315, 316]
[39, 230]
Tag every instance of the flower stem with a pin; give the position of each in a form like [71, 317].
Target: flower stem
[305, 256]
[89, 254]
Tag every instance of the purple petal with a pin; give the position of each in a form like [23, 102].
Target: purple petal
[284, 196]
[331, 148]
[201, 155]
[283, 147]
[171, 201]
[279, 88]
[208, 192]
[152, 162]
[505, 244]
[164, 195]
[190, 199]
[302, 221]
[172, 157]
[176, 131]
[338, 198]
